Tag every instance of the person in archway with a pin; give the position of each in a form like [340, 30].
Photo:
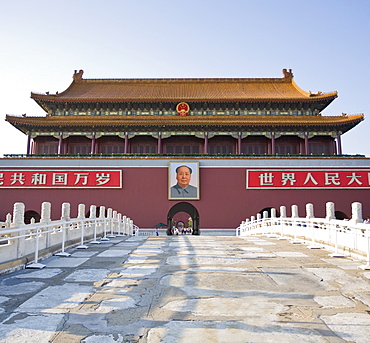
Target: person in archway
[183, 189]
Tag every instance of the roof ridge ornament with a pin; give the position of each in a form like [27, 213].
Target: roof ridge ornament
[77, 76]
[288, 74]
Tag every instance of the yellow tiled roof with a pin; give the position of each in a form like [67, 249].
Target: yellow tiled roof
[196, 121]
[204, 89]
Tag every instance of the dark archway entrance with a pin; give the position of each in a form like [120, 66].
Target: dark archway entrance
[268, 209]
[187, 208]
[28, 215]
[340, 215]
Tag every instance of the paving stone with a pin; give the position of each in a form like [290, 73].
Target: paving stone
[114, 253]
[363, 297]
[45, 273]
[296, 278]
[56, 299]
[87, 275]
[30, 328]
[343, 263]
[352, 327]
[138, 271]
[15, 288]
[66, 262]
[84, 253]
[103, 339]
[334, 301]
[263, 243]
[259, 311]
[290, 254]
[367, 275]
[229, 332]
[181, 260]
[348, 282]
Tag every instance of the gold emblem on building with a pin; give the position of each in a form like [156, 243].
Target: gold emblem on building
[183, 109]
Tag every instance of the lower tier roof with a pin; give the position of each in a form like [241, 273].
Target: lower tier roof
[187, 123]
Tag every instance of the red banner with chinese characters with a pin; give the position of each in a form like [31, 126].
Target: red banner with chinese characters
[308, 178]
[42, 178]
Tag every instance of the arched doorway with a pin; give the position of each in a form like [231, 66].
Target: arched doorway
[268, 210]
[28, 215]
[340, 215]
[187, 208]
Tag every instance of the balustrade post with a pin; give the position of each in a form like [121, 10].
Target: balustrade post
[66, 212]
[18, 214]
[18, 221]
[268, 223]
[46, 219]
[282, 212]
[330, 211]
[8, 220]
[309, 211]
[114, 222]
[246, 225]
[273, 213]
[110, 223]
[93, 223]
[253, 220]
[294, 223]
[124, 222]
[356, 213]
[282, 222]
[330, 215]
[310, 216]
[119, 224]
[65, 217]
[81, 215]
[367, 237]
[128, 226]
[45, 212]
[104, 221]
[132, 228]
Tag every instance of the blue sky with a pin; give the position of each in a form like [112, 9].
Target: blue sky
[326, 43]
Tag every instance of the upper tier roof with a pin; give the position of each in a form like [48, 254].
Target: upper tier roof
[190, 90]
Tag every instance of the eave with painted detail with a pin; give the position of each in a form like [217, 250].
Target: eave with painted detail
[190, 123]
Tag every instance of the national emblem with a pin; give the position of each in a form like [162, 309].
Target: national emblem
[182, 109]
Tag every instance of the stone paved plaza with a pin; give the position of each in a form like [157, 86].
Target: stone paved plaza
[188, 289]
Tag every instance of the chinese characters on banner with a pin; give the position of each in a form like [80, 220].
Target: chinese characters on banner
[308, 178]
[60, 178]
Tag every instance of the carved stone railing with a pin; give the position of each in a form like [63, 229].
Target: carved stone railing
[22, 243]
[342, 237]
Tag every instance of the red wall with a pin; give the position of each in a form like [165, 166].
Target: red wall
[224, 200]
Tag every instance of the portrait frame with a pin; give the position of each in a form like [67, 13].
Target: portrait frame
[174, 191]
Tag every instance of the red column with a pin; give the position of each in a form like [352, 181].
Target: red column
[92, 145]
[339, 143]
[273, 150]
[60, 142]
[239, 144]
[206, 143]
[126, 144]
[334, 147]
[28, 144]
[268, 146]
[159, 147]
[305, 144]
